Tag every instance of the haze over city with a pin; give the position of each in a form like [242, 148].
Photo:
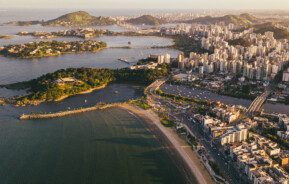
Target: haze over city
[148, 4]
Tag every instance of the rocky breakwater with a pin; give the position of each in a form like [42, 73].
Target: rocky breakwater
[99, 106]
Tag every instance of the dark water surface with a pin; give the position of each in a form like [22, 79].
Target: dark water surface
[204, 94]
[105, 146]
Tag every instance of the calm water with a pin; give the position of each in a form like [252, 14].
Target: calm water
[202, 94]
[16, 70]
[108, 146]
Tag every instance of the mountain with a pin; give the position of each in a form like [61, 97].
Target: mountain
[279, 32]
[79, 18]
[146, 20]
[243, 19]
[249, 17]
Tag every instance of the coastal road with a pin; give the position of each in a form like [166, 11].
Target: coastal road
[185, 152]
[225, 165]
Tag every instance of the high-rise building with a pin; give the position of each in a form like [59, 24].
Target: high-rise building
[161, 59]
[167, 58]
[285, 77]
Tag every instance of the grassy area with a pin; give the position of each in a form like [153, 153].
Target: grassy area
[141, 103]
[167, 123]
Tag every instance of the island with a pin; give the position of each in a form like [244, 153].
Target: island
[84, 33]
[79, 33]
[50, 48]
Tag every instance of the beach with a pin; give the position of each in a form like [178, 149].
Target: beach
[178, 145]
[186, 158]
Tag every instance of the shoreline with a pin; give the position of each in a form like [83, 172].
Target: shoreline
[193, 168]
[38, 102]
[178, 145]
[82, 93]
[51, 55]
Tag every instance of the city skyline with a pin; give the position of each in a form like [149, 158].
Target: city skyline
[148, 4]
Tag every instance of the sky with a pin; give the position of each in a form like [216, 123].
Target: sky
[147, 4]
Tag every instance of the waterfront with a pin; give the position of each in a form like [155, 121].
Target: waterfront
[205, 94]
[84, 148]
[91, 147]
[87, 148]
[103, 146]
[16, 70]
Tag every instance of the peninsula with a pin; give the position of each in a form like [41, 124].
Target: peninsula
[50, 48]
[62, 84]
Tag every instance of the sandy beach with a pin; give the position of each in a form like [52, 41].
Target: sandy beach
[179, 145]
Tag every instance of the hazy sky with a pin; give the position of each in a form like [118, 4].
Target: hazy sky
[152, 4]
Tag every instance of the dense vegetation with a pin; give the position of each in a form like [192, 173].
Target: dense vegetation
[188, 44]
[45, 88]
[140, 76]
[167, 122]
[244, 91]
[80, 18]
[146, 20]
[243, 19]
[51, 48]
[279, 33]
[240, 41]
[141, 102]
[52, 87]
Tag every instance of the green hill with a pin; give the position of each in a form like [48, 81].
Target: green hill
[243, 19]
[146, 20]
[279, 33]
[80, 18]
[240, 41]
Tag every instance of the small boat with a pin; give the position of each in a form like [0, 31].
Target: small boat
[116, 92]
[85, 101]
[124, 60]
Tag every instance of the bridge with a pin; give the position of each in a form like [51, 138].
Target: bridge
[257, 104]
